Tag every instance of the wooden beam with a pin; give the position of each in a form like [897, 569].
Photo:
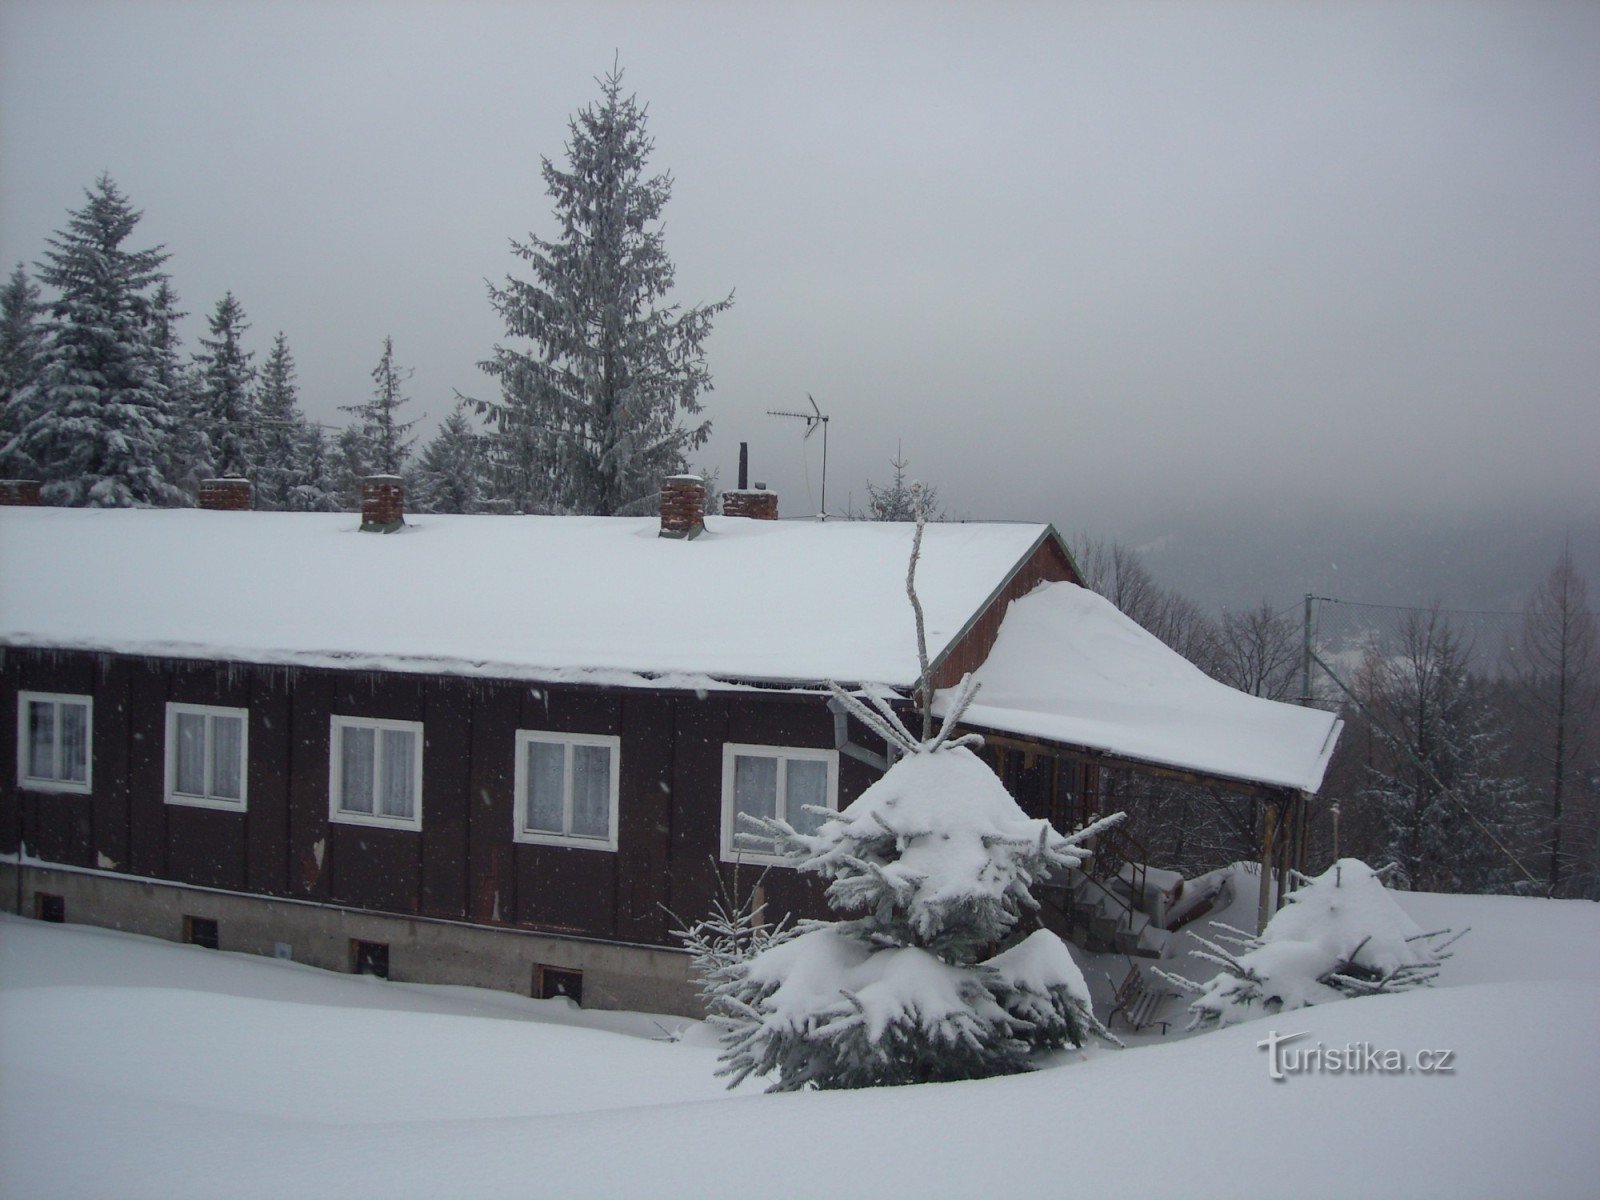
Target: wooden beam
[1105, 759]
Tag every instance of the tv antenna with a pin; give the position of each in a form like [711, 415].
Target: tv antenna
[812, 419]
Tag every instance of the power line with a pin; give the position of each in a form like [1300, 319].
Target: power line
[1459, 612]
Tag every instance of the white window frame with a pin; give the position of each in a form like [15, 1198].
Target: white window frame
[337, 724]
[35, 783]
[175, 709]
[519, 830]
[732, 849]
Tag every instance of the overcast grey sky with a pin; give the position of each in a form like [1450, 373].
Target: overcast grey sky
[1090, 262]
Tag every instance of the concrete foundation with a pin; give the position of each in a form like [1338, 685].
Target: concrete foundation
[421, 950]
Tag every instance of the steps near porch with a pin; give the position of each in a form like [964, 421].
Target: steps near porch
[1100, 915]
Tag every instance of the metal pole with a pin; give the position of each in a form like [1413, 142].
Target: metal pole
[1305, 656]
[824, 467]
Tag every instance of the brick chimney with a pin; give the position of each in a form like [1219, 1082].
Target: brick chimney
[383, 504]
[19, 493]
[756, 503]
[683, 506]
[226, 495]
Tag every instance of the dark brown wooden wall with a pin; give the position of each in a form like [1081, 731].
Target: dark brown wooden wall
[464, 864]
[1047, 564]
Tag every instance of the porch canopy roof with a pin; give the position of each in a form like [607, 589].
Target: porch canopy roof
[1068, 668]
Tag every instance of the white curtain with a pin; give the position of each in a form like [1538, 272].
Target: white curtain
[591, 791]
[399, 773]
[227, 757]
[191, 780]
[546, 774]
[357, 756]
[755, 791]
[75, 742]
[41, 739]
[807, 783]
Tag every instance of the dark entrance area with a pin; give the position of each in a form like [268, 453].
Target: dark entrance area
[550, 982]
[370, 958]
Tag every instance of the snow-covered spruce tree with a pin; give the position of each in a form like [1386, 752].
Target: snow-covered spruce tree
[903, 498]
[97, 416]
[1555, 671]
[317, 487]
[283, 436]
[1339, 935]
[384, 448]
[449, 475]
[224, 392]
[22, 341]
[588, 419]
[1437, 778]
[938, 860]
[188, 458]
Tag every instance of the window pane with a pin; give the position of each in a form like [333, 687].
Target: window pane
[358, 751]
[755, 791]
[74, 742]
[399, 773]
[227, 757]
[41, 739]
[807, 784]
[191, 753]
[591, 791]
[546, 769]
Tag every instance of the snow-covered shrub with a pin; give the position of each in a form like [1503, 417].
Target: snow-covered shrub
[1341, 934]
[735, 930]
[937, 860]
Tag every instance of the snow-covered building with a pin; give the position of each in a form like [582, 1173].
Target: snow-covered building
[500, 750]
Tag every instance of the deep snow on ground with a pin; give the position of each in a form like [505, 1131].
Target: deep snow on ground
[131, 1067]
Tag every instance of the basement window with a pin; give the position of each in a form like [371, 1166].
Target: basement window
[49, 908]
[375, 772]
[200, 931]
[550, 982]
[369, 958]
[54, 741]
[773, 781]
[207, 750]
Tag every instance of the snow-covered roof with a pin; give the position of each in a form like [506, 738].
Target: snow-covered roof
[1069, 668]
[603, 599]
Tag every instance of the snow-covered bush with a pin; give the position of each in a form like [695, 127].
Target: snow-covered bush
[1341, 934]
[937, 860]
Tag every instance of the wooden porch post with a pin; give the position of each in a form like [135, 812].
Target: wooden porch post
[1269, 830]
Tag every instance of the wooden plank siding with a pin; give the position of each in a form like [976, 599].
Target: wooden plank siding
[464, 863]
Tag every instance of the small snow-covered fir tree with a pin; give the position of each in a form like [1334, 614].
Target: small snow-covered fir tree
[383, 447]
[903, 498]
[188, 448]
[589, 417]
[317, 487]
[938, 861]
[291, 470]
[1340, 934]
[22, 341]
[97, 416]
[449, 475]
[224, 392]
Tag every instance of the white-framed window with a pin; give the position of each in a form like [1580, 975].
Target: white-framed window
[773, 781]
[208, 750]
[566, 789]
[375, 772]
[55, 742]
